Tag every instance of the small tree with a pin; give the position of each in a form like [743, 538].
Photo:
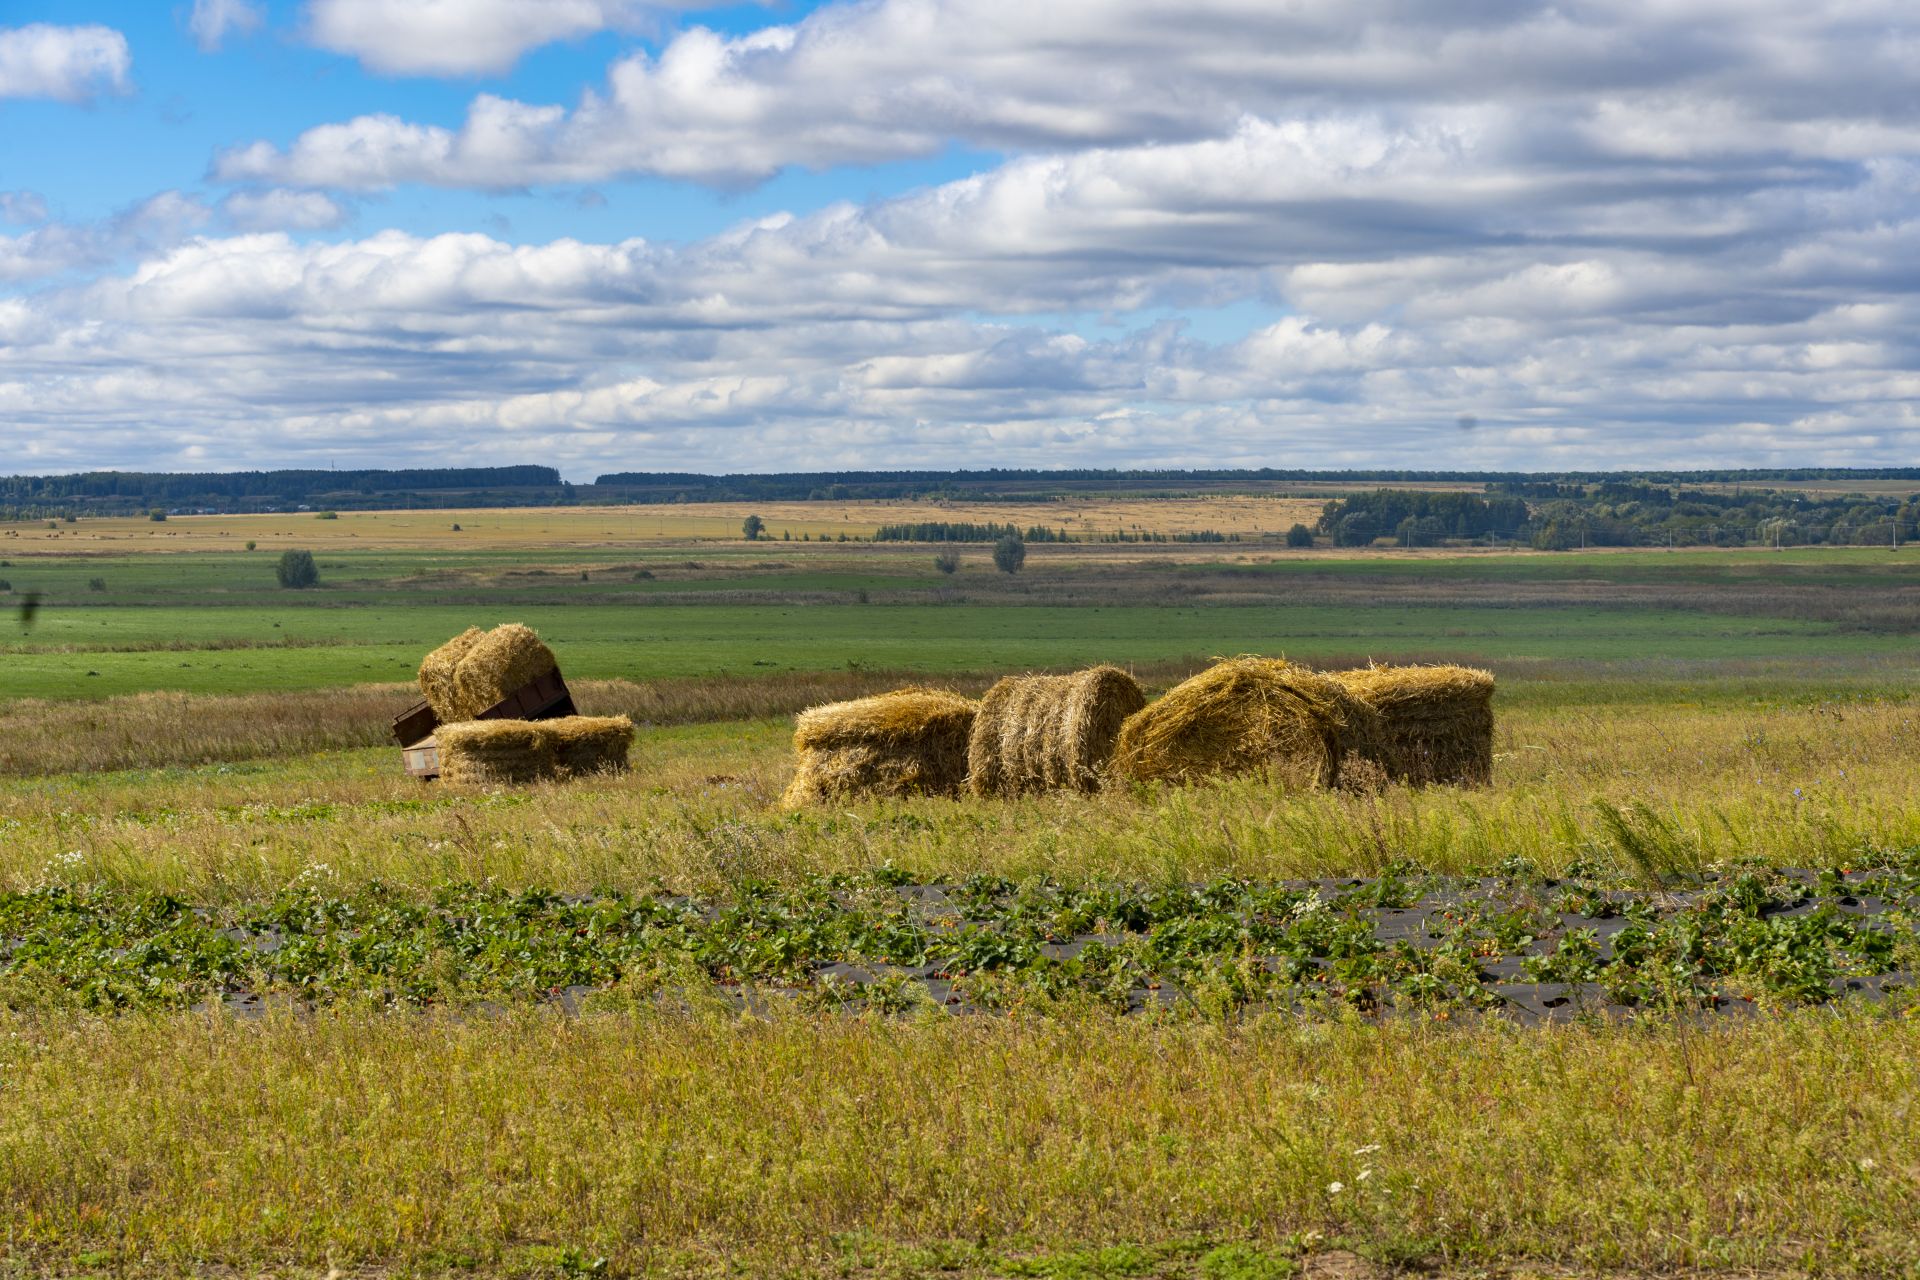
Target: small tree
[297, 569]
[1009, 554]
[156, 515]
[250, 544]
[947, 562]
[752, 527]
[1299, 536]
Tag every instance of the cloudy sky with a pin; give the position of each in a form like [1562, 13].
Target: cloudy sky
[615, 234]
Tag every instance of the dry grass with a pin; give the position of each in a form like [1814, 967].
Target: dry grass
[1246, 715]
[1435, 724]
[1048, 733]
[603, 526]
[905, 743]
[1796, 785]
[709, 1144]
[155, 730]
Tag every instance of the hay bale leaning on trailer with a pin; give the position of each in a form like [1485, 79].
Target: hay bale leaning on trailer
[436, 675]
[500, 662]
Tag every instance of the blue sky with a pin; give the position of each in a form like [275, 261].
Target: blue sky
[610, 234]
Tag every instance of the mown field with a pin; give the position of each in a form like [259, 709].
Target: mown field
[585, 1029]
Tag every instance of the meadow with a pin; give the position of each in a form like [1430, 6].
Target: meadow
[477, 1062]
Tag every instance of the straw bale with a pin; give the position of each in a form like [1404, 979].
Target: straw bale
[1040, 733]
[501, 661]
[1435, 724]
[496, 751]
[436, 674]
[908, 742]
[1246, 715]
[590, 744]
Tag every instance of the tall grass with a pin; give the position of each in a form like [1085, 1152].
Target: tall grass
[1654, 792]
[671, 1141]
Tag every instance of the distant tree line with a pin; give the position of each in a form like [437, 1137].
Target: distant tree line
[1017, 484]
[965, 531]
[1420, 519]
[1647, 506]
[1616, 512]
[128, 492]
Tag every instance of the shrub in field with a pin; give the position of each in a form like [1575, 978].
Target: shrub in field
[96, 584]
[752, 527]
[1299, 536]
[297, 569]
[251, 544]
[156, 515]
[947, 562]
[326, 515]
[1009, 554]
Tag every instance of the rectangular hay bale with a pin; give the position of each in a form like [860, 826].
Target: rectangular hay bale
[1435, 723]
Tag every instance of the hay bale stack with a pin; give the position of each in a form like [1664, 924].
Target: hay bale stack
[488, 752]
[908, 742]
[1246, 715]
[584, 745]
[1044, 733]
[436, 675]
[1435, 724]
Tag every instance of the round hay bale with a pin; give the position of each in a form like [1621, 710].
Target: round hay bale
[1434, 724]
[489, 752]
[497, 664]
[908, 742]
[1042, 733]
[436, 675]
[584, 745]
[1245, 715]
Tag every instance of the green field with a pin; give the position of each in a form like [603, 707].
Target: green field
[214, 623]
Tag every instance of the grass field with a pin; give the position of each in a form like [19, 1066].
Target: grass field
[1660, 716]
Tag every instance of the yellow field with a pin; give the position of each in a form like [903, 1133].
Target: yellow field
[598, 526]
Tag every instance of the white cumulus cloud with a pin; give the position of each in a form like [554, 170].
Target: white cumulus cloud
[68, 64]
[457, 37]
[212, 20]
[280, 209]
[858, 83]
